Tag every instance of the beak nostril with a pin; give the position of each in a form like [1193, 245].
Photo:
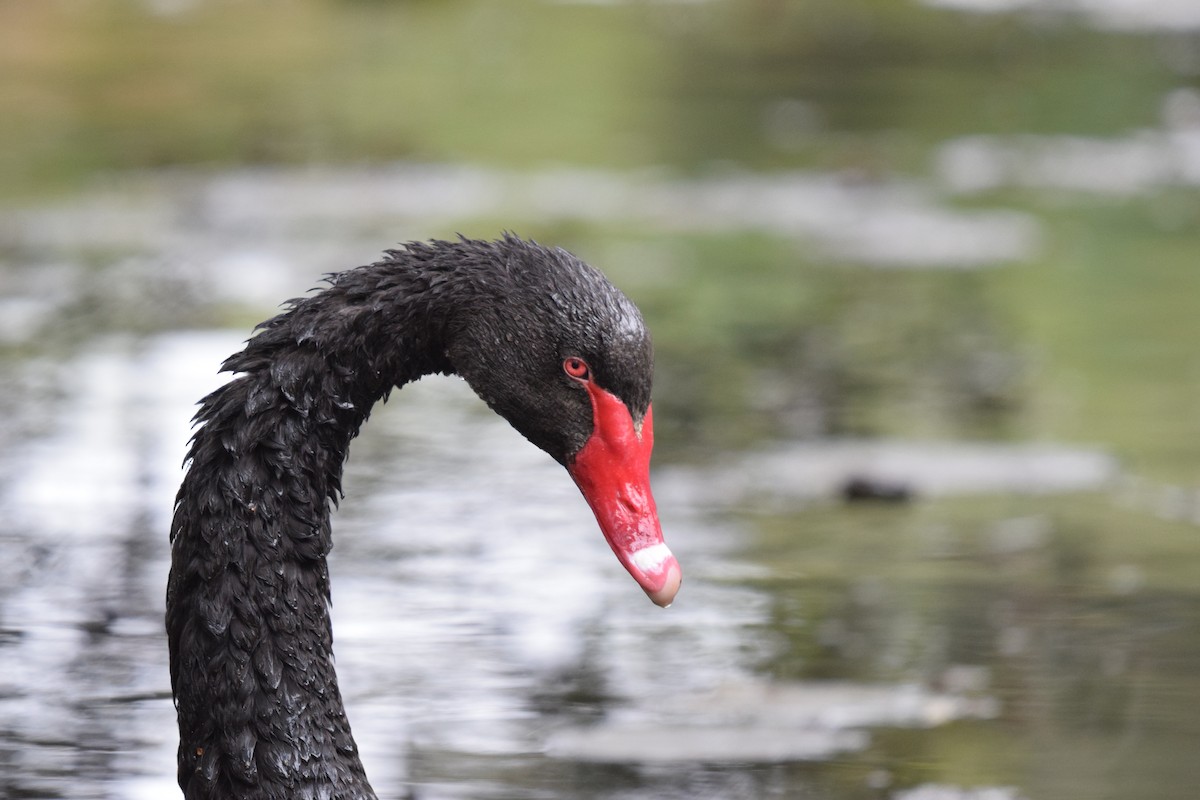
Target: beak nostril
[632, 502]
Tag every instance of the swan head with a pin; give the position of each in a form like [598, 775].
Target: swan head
[558, 351]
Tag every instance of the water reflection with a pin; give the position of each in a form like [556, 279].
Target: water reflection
[1169, 15]
[999, 621]
[452, 636]
[961, 639]
[1146, 161]
[252, 226]
[897, 471]
[471, 672]
[765, 722]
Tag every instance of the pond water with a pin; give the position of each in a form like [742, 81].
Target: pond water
[998, 620]
[923, 290]
[453, 643]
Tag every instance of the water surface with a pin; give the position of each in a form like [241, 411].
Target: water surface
[923, 290]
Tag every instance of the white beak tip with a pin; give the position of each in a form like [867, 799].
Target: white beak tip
[665, 594]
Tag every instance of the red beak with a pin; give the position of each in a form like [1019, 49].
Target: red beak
[613, 472]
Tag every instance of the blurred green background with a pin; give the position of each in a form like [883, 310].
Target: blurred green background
[1098, 320]
[1081, 131]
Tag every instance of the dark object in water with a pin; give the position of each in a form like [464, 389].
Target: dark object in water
[863, 489]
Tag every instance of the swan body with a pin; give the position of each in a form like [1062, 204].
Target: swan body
[543, 338]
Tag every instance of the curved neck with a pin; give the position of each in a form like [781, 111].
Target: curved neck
[248, 623]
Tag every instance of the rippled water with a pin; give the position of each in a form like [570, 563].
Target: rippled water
[978, 227]
[469, 583]
[478, 613]
[996, 621]
[488, 644]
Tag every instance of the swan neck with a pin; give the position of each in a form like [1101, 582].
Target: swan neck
[259, 710]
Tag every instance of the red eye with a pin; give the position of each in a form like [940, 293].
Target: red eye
[577, 368]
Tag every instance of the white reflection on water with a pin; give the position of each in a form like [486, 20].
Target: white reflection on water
[1142, 162]
[937, 791]
[83, 687]
[1131, 15]
[250, 228]
[762, 721]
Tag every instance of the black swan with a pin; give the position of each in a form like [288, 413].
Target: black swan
[542, 337]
